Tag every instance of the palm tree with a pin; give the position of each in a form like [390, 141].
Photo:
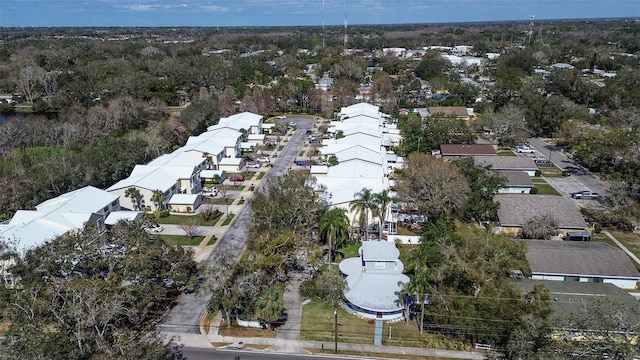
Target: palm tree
[334, 227]
[381, 201]
[362, 204]
[208, 159]
[136, 197]
[158, 198]
[269, 306]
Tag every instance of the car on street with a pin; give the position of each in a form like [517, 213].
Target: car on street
[282, 117]
[585, 195]
[525, 150]
[154, 228]
[253, 166]
[238, 178]
[264, 160]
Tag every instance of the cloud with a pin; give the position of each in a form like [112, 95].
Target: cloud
[214, 8]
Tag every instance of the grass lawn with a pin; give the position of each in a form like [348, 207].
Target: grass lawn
[505, 153]
[220, 201]
[260, 175]
[317, 324]
[406, 232]
[543, 187]
[329, 350]
[629, 240]
[351, 250]
[212, 241]
[550, 171]
[301, 153]
[281, 147]
[183, 219]
[228, 219]
[181, 240]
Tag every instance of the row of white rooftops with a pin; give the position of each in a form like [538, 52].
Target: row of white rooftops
[363, 159]
[170, 173]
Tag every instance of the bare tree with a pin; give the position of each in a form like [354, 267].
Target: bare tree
[432, 186]
[28, 79]
[542, 226]
[191, 228]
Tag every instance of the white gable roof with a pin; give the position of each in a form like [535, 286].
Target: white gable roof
[357, 169]
[153, 178]
[361, 153]
[116, 216]
[243, 120]
[87, 199]
[179, 158]
[342, 190]
[355, 139]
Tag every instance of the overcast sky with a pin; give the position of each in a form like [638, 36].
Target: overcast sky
[43, 13]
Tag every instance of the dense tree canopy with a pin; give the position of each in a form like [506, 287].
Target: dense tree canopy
[89, 296]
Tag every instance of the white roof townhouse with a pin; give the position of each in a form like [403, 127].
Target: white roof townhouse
[68, 212]
[250, 122]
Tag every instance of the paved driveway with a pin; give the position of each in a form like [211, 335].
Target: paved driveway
[185, 315]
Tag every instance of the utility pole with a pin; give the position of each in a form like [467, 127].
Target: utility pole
[335, 333]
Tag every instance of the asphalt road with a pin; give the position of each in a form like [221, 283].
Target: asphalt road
[185, 316]
[588, 180]
[201, 354]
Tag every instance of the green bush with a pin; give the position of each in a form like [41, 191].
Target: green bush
[534, 190]
[538, 172]
[161, 213]
[308, 289]
[597, 228]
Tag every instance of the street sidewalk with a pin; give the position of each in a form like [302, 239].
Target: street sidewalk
[277, 345]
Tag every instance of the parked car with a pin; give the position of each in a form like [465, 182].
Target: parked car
[253, 166]
[154, 228]
[282, 117]
[566, 173]
[264, 160]
[210, 194]
[238, 178]
[525, 150]
[585, 195]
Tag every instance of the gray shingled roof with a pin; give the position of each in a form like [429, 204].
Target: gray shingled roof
[471, 149]
[570, 297]
[517, 178]
[579, 258]
[507, 162]
[516, 209]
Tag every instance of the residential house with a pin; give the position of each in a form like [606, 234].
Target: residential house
[516, 209]
[184, 202]
[509, 163]
[52, 218]
[518, 182]
[147, 180]
[374, 280]
[581, 261]
[453, 151]
[250, 122]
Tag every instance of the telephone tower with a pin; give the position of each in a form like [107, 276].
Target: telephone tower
[533, 18]
[346, 41]
[323, 24]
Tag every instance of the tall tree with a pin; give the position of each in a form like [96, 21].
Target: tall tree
[362, 205]
[432, 186]
[334, 227]
[159, 199]
[485, 184]
[136, 197]
[381, 202]
[269, 306]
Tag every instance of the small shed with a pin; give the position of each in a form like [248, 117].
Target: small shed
[184, 202]
[579, 236]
